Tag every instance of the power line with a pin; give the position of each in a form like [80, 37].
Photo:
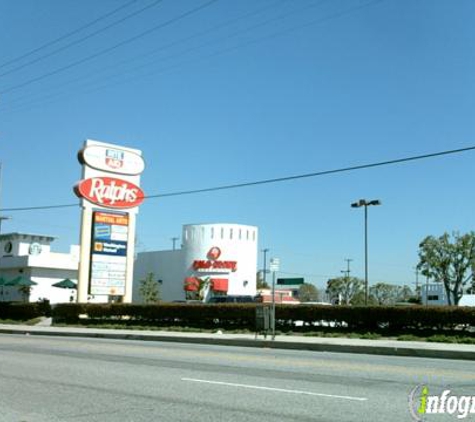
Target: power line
[133, 79]
[275, 180]
[67, 35]
[152, 52]
[315, 174]
[80, 40]
[109, 49]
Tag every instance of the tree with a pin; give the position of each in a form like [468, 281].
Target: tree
[260, 283]
[308, 293]
[449, 261]
[384, 293]
[150, 289]
[25, 292]
[404, 294]
[344, 289]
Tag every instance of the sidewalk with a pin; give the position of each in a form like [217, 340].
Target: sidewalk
[340, 345]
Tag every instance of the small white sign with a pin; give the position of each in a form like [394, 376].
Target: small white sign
[274, 264]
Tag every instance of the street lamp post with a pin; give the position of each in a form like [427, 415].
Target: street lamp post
[364, 203]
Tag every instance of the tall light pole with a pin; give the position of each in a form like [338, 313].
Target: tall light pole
[364, 203]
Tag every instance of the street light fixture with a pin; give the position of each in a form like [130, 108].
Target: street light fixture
[364, 203]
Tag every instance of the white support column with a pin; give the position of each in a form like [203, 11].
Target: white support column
[130, 258]
[84, 255]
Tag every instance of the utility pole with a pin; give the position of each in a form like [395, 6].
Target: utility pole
[347, 277]
[2, 217]
[347, 272]
[265, 265]
[174, 239]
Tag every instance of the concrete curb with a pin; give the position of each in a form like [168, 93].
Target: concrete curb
[318, 345]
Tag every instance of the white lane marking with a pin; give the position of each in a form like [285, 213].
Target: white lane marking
[279, 390]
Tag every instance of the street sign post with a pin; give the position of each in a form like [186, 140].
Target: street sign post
[274, 267]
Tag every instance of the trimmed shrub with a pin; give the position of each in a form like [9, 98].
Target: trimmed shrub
[288, 317]
[24, 311]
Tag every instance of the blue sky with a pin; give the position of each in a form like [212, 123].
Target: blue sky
[243, 91]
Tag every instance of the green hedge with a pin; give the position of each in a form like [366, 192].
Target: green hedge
[242, 316]
[24, 311]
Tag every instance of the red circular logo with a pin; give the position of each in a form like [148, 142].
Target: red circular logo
[214, 253]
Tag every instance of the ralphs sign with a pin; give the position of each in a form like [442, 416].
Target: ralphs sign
[110, 192]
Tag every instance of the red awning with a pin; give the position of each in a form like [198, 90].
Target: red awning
[219, 284]
[192, 284]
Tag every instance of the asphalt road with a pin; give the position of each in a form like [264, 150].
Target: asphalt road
[46, 379]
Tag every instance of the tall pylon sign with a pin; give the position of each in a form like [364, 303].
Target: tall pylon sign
[110, 197]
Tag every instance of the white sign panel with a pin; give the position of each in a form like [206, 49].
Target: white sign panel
[274, 264]
[108, 253]
[112, 159]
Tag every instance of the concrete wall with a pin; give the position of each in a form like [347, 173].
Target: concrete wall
[166, 266]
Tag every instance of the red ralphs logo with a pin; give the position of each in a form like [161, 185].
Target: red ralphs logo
[214, 253]
[110, 192]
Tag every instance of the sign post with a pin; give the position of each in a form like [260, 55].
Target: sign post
[110, 193]
[274, 267]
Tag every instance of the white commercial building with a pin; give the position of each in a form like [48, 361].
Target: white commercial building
[29, 256]
[435, 294]
[214, 260]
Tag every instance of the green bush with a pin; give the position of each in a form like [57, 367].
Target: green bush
[303, 318]
[24, 311]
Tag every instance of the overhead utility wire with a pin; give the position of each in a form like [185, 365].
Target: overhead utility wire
[315, 174]
[275, 180]
[109, 49]
[150, 53]
[333, 16]
[80, 40]
[67, 35]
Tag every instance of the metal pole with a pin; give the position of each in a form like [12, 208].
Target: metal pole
[366, 255]
[174, 239]
[265, 263]
[273, 305]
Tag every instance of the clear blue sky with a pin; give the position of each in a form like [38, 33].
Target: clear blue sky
[247, 90]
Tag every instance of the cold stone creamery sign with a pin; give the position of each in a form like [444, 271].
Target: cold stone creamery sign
[212, 264]
[111, 181]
